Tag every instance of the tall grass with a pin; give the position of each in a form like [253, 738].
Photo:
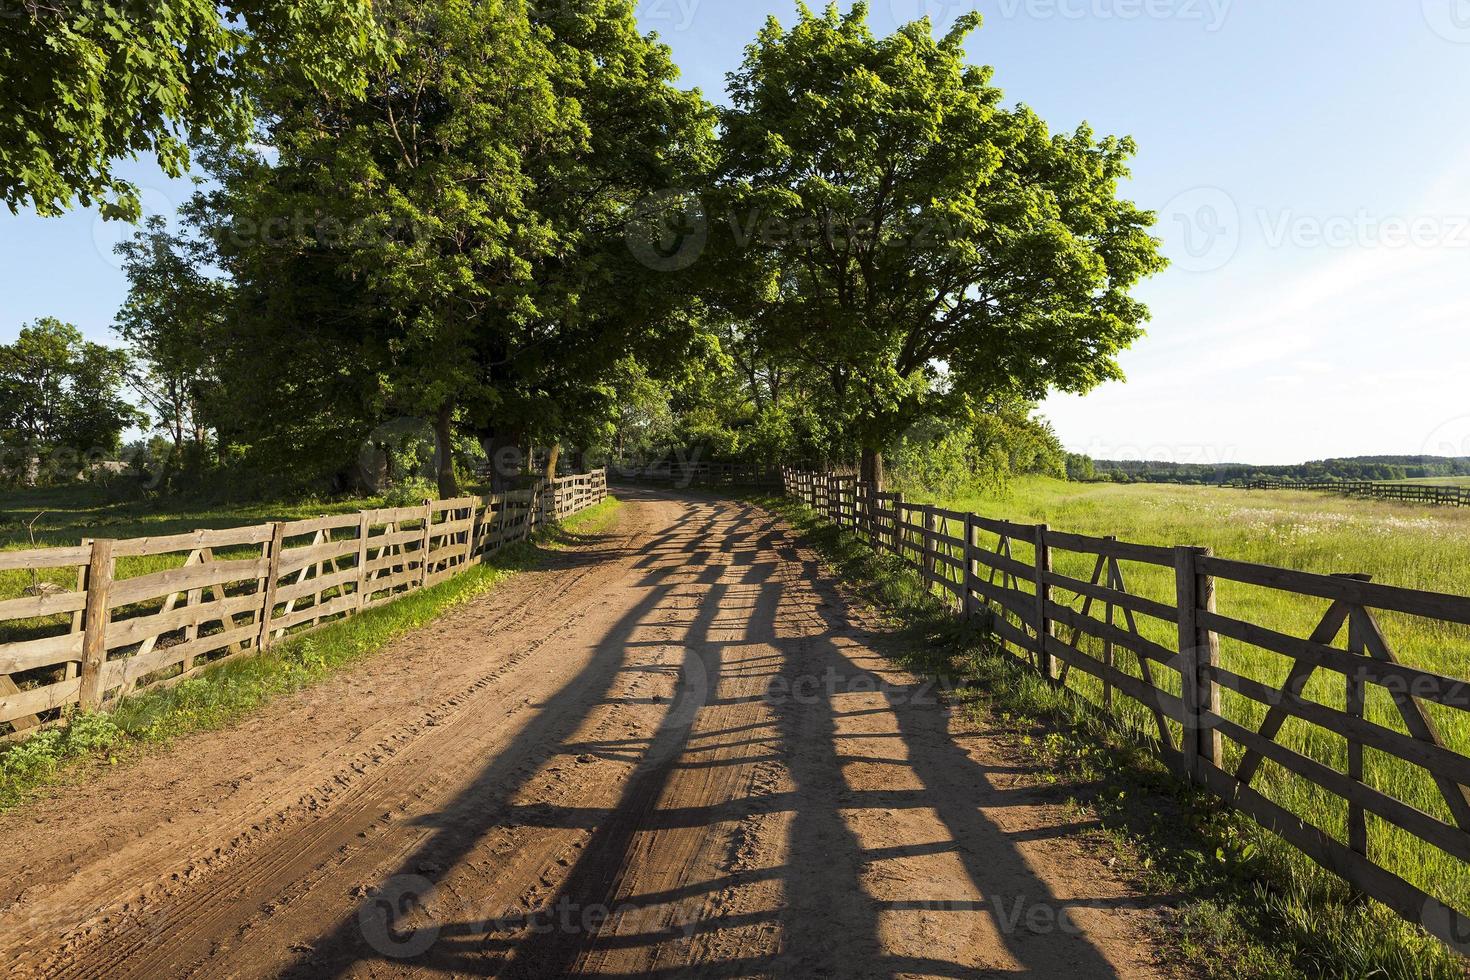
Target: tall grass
[1398, 544]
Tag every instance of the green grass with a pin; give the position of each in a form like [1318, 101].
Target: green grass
[222, 695]
[1398, 544]
[1248, 908]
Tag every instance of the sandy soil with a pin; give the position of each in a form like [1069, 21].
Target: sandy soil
[674, 751]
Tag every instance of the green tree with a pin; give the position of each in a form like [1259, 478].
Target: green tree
[452, 246]
[388, 230]
[920, 246]
[173, 322]
[85, 83]
[60, 397]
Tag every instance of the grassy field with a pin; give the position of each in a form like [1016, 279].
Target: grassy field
[1418, 547]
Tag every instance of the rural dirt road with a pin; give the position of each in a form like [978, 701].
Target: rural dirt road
[673, 751]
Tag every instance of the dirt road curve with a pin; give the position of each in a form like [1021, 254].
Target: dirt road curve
[672, 752]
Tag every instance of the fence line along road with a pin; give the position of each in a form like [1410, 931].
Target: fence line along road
[700, 474]
[1416, 493]
[1004, 577]
[206, 597]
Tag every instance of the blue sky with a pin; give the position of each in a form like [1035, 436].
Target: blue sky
[1310, 161]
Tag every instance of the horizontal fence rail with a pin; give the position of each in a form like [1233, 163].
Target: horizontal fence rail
[1356, 760]
[1416, 493]
[199, 599]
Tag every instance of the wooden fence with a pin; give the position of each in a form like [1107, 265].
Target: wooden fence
[1156, 658]
[1416, 493]
[700, 474]
[202, 598]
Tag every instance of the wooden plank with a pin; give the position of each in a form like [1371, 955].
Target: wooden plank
[313, 586]
[298, 529]
[294, 560]
[160, 584]
[193, 541]
[1425, 685]
[1139, 645]
[1154, 698]
[1427, 755]
[1127, 600]
[1400, 896]
[1113, 548]
[126, 671]
[26, 704]
[45, 652]
[334, 607]
[37, 606]
[123, 632]
[1449, 839]
[1419, 724]
[272, 586]
[1296, 682]
[39, 558]
[1431, 605]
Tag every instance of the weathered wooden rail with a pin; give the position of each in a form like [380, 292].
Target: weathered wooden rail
[1162, 654]
[223, 594]
[1416, 493]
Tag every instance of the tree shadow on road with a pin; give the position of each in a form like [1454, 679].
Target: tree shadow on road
[764, 621]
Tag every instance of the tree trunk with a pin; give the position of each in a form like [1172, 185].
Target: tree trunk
[444, 452]
[872, 468]
[503, 451]
[553, 459]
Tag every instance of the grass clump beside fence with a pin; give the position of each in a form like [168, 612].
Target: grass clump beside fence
[1248, 907]
[223, 694]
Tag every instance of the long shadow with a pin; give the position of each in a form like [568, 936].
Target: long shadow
[485, 802]
[830, 925]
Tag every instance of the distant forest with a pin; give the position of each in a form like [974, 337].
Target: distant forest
[1374, 468]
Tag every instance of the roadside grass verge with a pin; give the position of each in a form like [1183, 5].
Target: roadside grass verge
[223, 695]
[1244, 908]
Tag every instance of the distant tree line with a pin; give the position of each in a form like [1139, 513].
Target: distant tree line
[1383, 469]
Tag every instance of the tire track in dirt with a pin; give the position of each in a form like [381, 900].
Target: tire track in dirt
[675, 752]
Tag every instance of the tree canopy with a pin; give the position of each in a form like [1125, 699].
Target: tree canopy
[920, 247]
[85, 83]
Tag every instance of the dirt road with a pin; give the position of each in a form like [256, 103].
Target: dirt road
[674, 751]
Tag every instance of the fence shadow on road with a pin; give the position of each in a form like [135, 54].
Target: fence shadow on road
[753, 616]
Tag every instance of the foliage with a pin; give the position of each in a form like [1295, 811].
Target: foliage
[1004, 441]
[87, 82]
[60, 398]
[173, 323]
[914, 243]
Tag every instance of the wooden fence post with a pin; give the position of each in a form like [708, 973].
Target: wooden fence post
[931, 560]
[1043, 596]
[469, 533]
[1199, 652]
[364, 525]
[971, 604]
[272, 578]
[94, 642]
[424, 548]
